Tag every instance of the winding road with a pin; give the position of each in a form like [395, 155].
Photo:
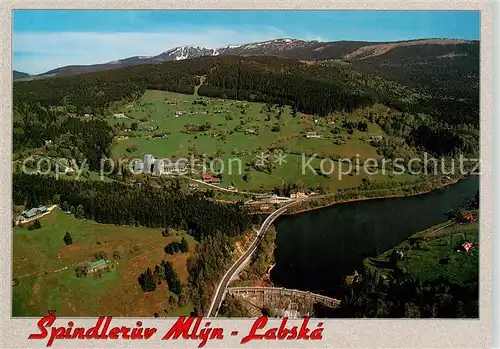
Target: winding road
[241, 262]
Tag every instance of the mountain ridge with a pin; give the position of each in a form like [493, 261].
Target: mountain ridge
[313, 50]
[18, 75]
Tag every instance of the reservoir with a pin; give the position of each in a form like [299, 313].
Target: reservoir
[315, 250]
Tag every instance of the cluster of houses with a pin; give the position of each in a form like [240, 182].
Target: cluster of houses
[159, 167]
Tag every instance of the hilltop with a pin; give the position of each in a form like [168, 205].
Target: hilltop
[289, 48]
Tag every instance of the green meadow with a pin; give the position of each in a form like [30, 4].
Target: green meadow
[435, 254]
[164, 118]
[44, 269]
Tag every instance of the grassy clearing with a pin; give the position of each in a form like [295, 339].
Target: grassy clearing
[291, 172]
[161, 133]
[435, 255]
[39, 254]
[152, 112]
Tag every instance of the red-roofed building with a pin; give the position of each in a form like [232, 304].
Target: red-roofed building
[206, 177]
[469, 218]
[209, 179]
[466, 246]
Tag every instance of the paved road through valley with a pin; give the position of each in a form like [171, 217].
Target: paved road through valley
[240, 263]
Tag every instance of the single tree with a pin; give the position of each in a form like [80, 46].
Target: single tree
[184, 245]
[80, 212]
[166, 232]
[81, 271]
[36, 225]
[159, 274]
[147, 281]
[173, 300]
[172, 278]
[68, 240]
[116, 255]
[56, 200]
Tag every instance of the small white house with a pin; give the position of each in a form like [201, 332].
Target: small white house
[312, 135]
[375, 138]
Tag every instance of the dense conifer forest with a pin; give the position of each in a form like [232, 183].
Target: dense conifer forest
[116, 203]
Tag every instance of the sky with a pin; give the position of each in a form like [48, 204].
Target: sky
[48, 39]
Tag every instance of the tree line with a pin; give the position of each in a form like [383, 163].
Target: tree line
[117, 203]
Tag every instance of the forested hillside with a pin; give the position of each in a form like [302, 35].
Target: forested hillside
[78, 139]
[117, 203]
[439, 98]
[16, 75]
[449, 80]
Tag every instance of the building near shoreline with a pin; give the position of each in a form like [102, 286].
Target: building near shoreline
[298, 195]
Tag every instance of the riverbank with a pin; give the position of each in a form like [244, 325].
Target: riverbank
[432, 254]
[366, 198]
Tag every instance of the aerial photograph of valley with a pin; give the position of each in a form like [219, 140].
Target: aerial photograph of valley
[246, 163]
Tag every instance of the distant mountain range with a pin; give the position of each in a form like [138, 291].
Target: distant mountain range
[17, 75]
[289, 48]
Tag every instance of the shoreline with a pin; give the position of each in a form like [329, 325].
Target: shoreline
[394, 196]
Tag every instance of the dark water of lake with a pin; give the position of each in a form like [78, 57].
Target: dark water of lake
[317, 249]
